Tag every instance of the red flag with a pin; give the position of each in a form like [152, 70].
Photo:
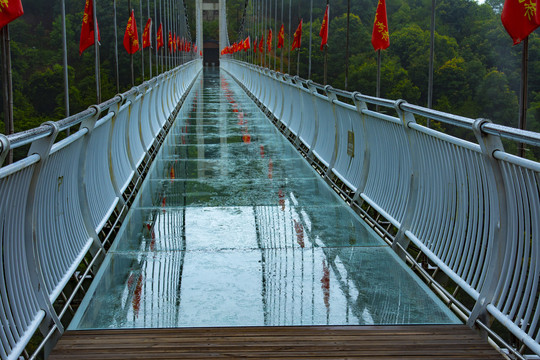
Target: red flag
[281, 36]
[169, 44]
[146, 42]
[174, 43]
[131, 37]
[269, 40]
[10, 10]
[380, 39]
[87, 29]
[297, 41]
[247, 45]
[159, 37]
[200, 53]
[323, 33]
[261, 44]
[518, 18]
[537, 13]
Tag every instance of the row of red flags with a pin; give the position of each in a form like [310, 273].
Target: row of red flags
[519, 17]
[131, 36]
[12, 9]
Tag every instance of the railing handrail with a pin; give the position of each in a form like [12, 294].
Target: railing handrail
[27, 136]
[60, 205]
[507, 132]
[472, 209]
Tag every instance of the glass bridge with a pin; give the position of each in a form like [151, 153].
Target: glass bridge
[232, 227]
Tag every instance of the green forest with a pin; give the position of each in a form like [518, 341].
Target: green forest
[476, 73]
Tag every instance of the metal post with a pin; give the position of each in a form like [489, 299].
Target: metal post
[131, 55]
[283, 48]
[310, 30]
[347, 46]
[150, 37]
[289, 65]
[64, 51]
[298, 62]
[275, 33]
[96, 46]
[7, 86]
[116, 48]
[523, 96]
[378, 91]
[140, 39]
[431, 59]
[163, 35]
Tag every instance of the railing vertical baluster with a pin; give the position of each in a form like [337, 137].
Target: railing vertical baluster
[360, 107]
[41, 147]
[489, 145]
[89, 124]
[401, 242]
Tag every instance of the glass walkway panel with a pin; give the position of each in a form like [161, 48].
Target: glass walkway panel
[232, 227]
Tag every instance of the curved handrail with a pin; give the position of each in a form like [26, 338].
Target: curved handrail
[472, 209]
[56, 203]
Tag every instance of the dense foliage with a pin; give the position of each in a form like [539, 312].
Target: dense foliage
[36, 56]
[477, 70]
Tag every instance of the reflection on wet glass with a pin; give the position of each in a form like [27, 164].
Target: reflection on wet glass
[233, 228]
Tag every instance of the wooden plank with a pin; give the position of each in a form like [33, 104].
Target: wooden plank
[310, 342]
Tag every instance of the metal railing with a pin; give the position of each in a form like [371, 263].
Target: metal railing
[470, 211]
[59, 204]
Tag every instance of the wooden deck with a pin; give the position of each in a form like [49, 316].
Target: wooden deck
[309, 342]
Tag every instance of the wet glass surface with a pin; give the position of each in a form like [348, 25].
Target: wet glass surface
[233, 228]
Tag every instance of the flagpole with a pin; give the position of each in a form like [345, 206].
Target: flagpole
[298, 62]
[310, 29]
[522, 125]
[64, 50]
[140, 41]
[96, 45]
[289, 55]
[7, 86]
[116, 49]
[149, 37]
[431, 59]
[326, 48]
[275, 32]
[163, 34]
[347, 45]
[378, 90]
[283, 46]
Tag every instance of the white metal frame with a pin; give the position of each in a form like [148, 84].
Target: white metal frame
[471, 208]
[55, 202]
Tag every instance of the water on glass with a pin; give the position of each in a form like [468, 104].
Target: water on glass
[232, 227]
